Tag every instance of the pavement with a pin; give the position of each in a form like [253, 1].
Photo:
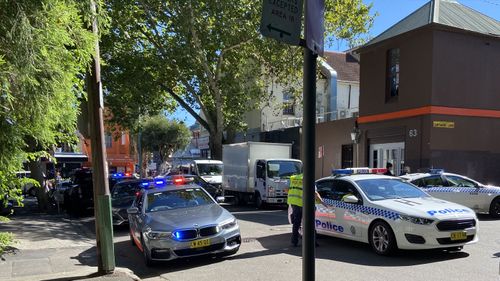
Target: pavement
[52, 246]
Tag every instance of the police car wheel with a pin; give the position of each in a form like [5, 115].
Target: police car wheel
[146, 255]
[495, 208]
[382, 238]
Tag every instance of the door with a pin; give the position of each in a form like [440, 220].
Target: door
[347, 156]
[352, 220]
[135, 220]
[326, 218]
[465, 191]
[381, 154]
[260, 178]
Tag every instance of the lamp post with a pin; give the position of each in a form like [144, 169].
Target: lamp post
[355, 134]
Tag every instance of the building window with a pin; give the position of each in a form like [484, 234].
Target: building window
[124, 138]
[288, 103]
[392, 83]
[108, 139]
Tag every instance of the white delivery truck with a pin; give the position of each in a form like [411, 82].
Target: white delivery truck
[258, 171]
[209, 170]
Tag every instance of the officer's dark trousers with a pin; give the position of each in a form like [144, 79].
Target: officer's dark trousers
[296, 221]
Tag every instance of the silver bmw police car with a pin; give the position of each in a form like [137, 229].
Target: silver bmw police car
[170, 221]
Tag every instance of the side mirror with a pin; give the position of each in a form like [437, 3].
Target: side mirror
[132, 211]
[220, 199]
[351, 199]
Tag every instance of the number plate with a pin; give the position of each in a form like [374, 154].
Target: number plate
[460, 235]
[200, 243]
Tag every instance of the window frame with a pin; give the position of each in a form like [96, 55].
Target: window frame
[393, 77]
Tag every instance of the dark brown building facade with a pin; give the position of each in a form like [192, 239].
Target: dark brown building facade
[430, 93]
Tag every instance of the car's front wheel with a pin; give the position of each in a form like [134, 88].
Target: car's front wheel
[495, 208]
[146, 254]
[258, 201]
[382, 239]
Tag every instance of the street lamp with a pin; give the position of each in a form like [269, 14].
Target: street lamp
[355, 135]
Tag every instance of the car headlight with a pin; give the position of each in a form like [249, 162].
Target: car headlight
[228, 224]
[154, 235]
[416, 220]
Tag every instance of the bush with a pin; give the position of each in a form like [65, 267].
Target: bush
[6, 240]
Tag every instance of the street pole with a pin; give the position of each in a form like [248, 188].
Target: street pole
[309, 145]
[102, 201]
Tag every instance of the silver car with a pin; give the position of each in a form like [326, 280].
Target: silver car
[177, 221]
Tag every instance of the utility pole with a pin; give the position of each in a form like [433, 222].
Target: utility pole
[309, 144]
[102, 201]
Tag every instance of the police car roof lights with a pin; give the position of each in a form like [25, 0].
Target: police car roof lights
[354, 171]
[436, 171]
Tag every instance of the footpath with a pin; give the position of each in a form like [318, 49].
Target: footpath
[52, 247]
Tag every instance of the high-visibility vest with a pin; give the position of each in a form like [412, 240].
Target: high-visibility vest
[295, 191]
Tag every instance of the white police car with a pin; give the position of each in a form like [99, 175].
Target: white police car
[389, 213]
[459, 189]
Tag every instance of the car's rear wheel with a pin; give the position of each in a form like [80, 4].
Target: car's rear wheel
[495, 208]
[382, 239]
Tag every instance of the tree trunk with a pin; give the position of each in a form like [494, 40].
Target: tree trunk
[216, 145]
[37, 174]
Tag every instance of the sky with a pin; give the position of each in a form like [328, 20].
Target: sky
[389, 13]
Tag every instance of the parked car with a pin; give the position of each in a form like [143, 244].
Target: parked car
[389, 213]
[28, 188]
[214, 190]
[459, 189]
[122, 196]
[79, 198]
[178, 221]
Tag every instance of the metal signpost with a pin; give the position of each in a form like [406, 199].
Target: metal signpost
[281, 20]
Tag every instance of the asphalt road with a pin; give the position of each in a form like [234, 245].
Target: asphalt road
[266, 254]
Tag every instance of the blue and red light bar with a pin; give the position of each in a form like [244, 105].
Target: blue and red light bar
[357, 171]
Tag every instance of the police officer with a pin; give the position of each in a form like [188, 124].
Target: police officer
[295, 201]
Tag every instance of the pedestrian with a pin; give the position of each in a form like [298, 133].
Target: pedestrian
[295, 201]
[388, 166]
[406, 170]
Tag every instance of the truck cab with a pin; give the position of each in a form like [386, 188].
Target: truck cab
[272, 180]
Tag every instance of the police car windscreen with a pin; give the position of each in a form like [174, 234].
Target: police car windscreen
[382, 189]
[176, 199]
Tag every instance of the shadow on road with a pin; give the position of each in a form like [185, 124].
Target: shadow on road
[349, 252]
[486, 217]
[333, 249]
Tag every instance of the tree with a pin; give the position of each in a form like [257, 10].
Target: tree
[164, 136]
[206, 56]
[45, 49]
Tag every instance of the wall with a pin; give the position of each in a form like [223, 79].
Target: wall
[331, 135]
[415, 73]
[466, 70]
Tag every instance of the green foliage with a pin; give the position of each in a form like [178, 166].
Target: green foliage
[6, 240]
[164, 136]
[45, 51]
[206, 56]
